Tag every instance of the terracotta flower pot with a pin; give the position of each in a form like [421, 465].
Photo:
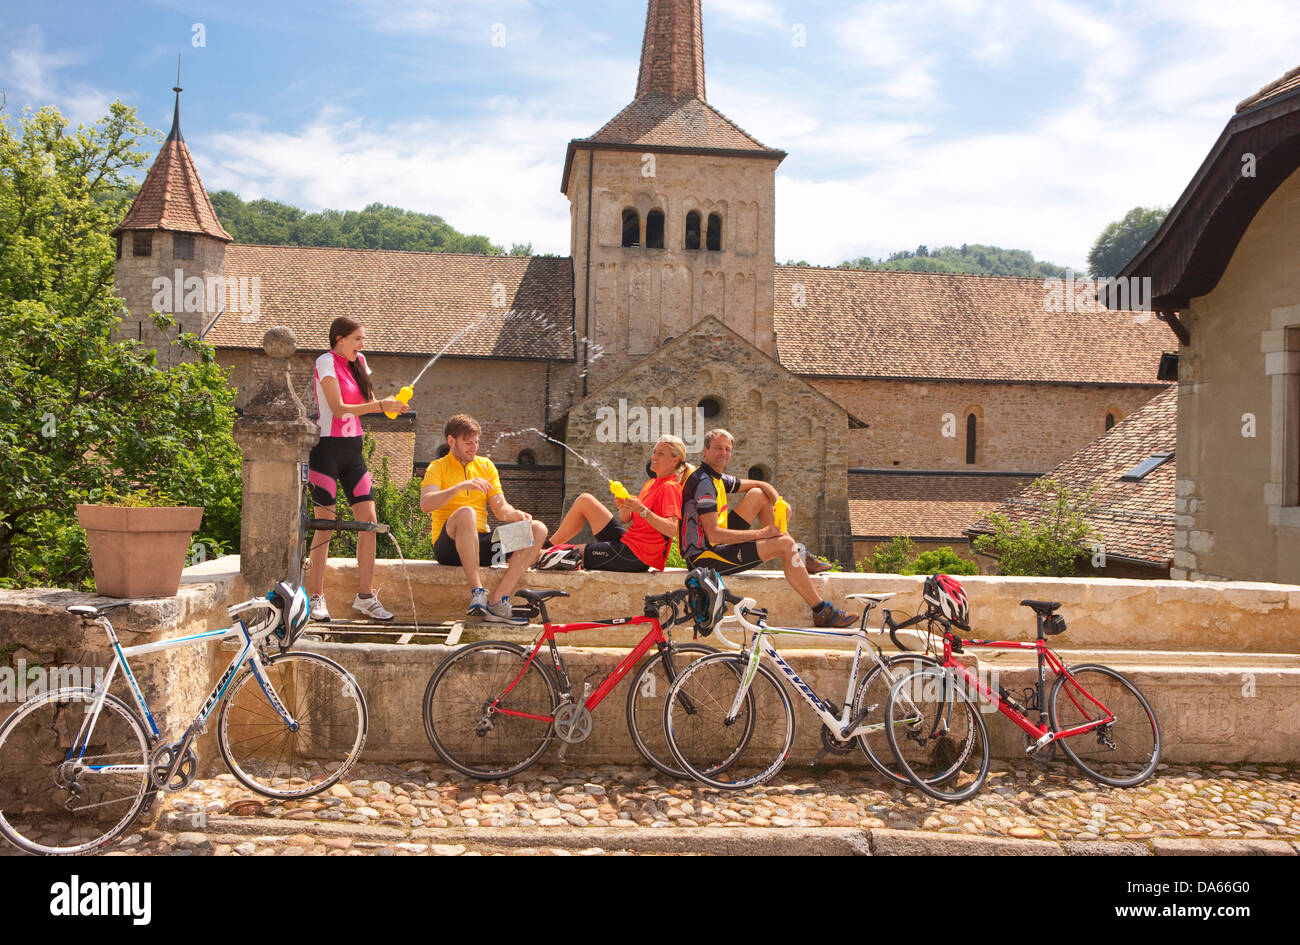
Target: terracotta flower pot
[138, 552]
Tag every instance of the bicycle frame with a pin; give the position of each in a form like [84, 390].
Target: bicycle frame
[843, 726]
[654, 637]
[248, 654]
[1041, 731]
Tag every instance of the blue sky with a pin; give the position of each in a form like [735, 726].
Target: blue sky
[1028, 125]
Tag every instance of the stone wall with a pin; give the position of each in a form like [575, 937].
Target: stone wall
[133, 280]
[1019, 427]
[780, 423]
[640, 297]
[506, 397]
[1238, 489]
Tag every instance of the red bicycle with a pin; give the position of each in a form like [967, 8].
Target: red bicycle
[492, 708]
[1102, 722]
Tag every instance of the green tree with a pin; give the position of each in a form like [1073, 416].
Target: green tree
[969, 258]
[941, 561]
[1120, 241]
[78, 413]
[1051, 542]
[893, 556]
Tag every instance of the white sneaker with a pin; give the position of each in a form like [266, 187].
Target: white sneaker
[478, 604]
[319, 612]
[503, 612]
[371, 607]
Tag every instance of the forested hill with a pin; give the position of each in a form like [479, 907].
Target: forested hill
[971, 258]
[376, 227]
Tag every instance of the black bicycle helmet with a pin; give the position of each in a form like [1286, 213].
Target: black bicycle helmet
[707, 600]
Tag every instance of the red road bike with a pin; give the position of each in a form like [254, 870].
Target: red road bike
[492, 708]
[1102, 722]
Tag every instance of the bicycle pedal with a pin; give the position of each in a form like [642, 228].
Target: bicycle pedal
[817, 758]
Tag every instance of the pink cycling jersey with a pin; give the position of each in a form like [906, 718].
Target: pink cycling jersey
[336, 366]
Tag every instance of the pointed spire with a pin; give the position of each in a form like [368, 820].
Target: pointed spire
[172, 196]
[175, 133]
[672, 53]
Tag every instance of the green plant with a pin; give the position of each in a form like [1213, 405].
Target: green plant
[675, 559]
[894, 556]
[1049, 541]
[78, 412]
[942, 561]
[141, 498]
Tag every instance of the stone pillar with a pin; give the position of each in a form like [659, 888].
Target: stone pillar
[275, 438]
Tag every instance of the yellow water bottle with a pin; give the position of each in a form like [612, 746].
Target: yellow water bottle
[619, 490]
[780, 511]
[404, 396]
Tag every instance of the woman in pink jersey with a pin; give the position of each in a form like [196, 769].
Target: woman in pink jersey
[343, 393]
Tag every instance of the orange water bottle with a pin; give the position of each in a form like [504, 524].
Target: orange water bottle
[403, 396]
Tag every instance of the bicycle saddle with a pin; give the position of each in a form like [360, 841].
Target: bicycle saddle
[1043, 607]
[85, 610]
[536, 597]
[874, 598]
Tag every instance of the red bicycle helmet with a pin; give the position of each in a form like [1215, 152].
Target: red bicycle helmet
[947, 597]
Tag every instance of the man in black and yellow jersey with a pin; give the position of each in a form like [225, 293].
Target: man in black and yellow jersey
[714, 537]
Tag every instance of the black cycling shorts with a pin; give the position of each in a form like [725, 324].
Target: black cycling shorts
[608, 553]
[444, 549]
[338, 459]
[729, 559]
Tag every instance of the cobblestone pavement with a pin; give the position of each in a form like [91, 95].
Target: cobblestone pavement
[418, 808]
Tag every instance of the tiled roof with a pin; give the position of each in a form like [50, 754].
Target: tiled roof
[865, 323]
[172, 196]
[672, 53]
[924, 506]
[1133, 519]
[656, 120]
[409, 303]
[1275, 89]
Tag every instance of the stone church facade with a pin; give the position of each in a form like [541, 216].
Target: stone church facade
[863, 395]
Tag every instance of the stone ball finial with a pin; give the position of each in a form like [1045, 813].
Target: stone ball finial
[279, 342]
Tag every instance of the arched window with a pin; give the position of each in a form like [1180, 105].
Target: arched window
[970, 439]
[526, 458]
[711, 407]
[715, 232]
[654, 229]
[443, 451]
[631, 227]
[693, 230]
[1110, 420]
[759, 473]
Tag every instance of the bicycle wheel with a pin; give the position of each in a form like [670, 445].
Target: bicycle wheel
[937, 735]
[647, 692]
[471, 719]
[49, 805]
[259, 747]
[722, 752]
[1121, 753]
[872, 694]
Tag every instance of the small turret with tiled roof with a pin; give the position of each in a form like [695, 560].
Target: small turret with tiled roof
[171, 251]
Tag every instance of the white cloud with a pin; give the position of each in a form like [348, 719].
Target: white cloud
[498, 175]
[32, 77]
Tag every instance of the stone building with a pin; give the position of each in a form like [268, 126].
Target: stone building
[1130, 470]
[835, 380]
[1225, 268]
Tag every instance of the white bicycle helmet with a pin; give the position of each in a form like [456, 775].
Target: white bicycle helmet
[295, 610]
[560, 558]
[946, 596]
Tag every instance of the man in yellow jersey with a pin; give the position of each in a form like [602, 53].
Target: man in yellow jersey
[713, 537]
[457, 490]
